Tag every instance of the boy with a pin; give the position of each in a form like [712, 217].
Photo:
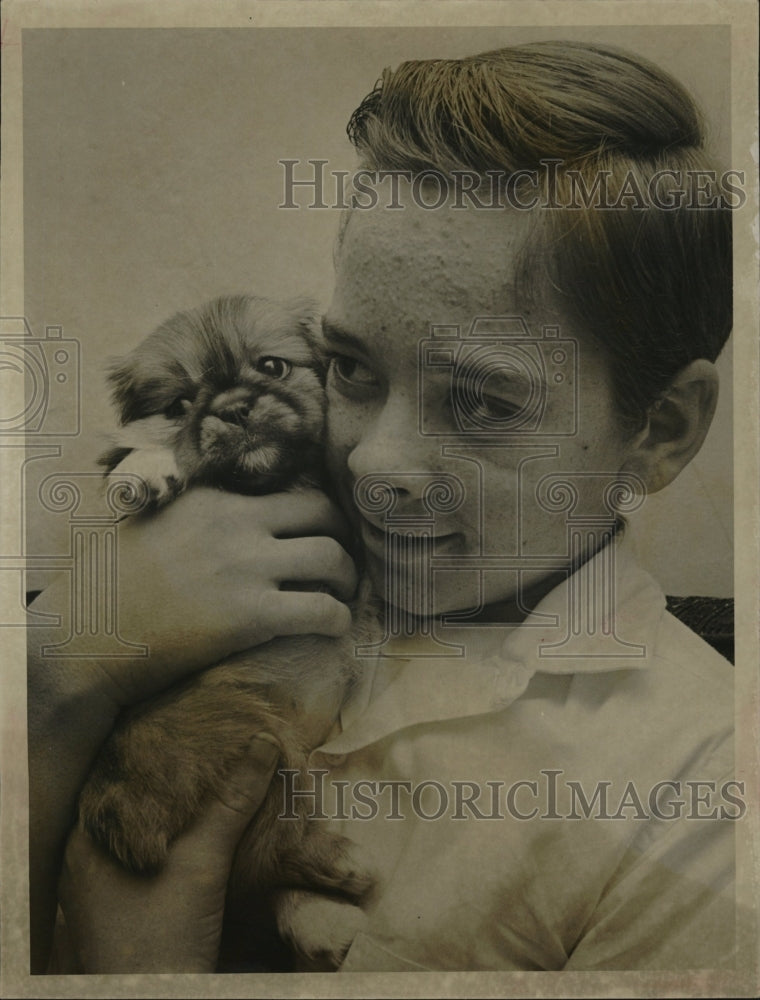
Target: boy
[540, 764]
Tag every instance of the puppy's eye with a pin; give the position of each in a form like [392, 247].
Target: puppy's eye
[277, 368]
[177, 409]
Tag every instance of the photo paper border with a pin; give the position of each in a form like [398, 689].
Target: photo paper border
[741, 15]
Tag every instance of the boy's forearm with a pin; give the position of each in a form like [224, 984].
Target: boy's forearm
[68, 719]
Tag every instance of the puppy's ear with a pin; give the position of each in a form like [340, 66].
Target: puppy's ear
[113, 457]
[309, 320]
[126, 394]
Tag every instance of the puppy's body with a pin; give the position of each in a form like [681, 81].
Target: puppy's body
[231, 395]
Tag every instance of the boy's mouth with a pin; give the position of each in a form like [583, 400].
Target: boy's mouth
[405, 544]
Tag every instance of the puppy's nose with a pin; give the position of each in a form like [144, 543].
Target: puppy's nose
[234, 413]
[233, 407]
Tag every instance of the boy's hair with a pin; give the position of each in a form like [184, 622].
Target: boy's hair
[651, 285]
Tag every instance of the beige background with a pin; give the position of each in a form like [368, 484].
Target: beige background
[151, 181]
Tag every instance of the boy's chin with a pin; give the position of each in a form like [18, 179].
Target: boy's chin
[460, 594]
[417, 597]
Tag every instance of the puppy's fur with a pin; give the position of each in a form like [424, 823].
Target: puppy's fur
[232, 395]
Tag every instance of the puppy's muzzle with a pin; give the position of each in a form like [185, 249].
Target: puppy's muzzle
[234, 406]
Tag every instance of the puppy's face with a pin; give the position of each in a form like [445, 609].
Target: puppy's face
[235, 389]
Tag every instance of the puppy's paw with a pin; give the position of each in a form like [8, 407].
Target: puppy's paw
[319, 928]
[353, 870]
[157, 467]
[330, 863]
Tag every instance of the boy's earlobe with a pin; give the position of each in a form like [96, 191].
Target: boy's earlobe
[676, 426]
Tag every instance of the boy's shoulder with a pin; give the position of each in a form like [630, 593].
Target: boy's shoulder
[696, 679]
[646, 667]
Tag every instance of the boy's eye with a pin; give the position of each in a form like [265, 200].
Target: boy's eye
[349, 372]
[277, 368]
[487, 402]
[494, 408]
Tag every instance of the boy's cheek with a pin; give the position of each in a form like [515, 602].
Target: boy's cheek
[343, 432]
[338, 446]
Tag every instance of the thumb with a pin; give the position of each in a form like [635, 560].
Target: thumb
[236, 802]
[247, 783]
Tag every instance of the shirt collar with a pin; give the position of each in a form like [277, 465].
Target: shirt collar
[604, 617]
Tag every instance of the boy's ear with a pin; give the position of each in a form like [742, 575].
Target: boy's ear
[676, 426]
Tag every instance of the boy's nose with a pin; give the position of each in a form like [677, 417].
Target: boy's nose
[392, 449]
[389, 441]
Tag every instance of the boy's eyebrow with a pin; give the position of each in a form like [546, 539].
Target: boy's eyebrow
[340, 337]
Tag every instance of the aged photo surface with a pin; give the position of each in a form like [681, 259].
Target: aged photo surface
[379, 459]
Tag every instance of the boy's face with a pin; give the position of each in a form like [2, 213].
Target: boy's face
[399, 272]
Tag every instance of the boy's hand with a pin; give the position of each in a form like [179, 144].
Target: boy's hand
[201, 579]
[118, 922]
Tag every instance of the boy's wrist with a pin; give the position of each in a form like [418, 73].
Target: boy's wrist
[93, 684]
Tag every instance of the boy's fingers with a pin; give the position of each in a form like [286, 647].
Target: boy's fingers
[317, 560]
[304, 613]
[307, 512]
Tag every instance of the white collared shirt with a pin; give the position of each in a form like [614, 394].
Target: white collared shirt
[525, 822]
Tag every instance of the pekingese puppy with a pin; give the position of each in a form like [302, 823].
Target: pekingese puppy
[232, 395]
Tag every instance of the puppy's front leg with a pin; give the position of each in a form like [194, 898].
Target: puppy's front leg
[148, 448]
[158, 469]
